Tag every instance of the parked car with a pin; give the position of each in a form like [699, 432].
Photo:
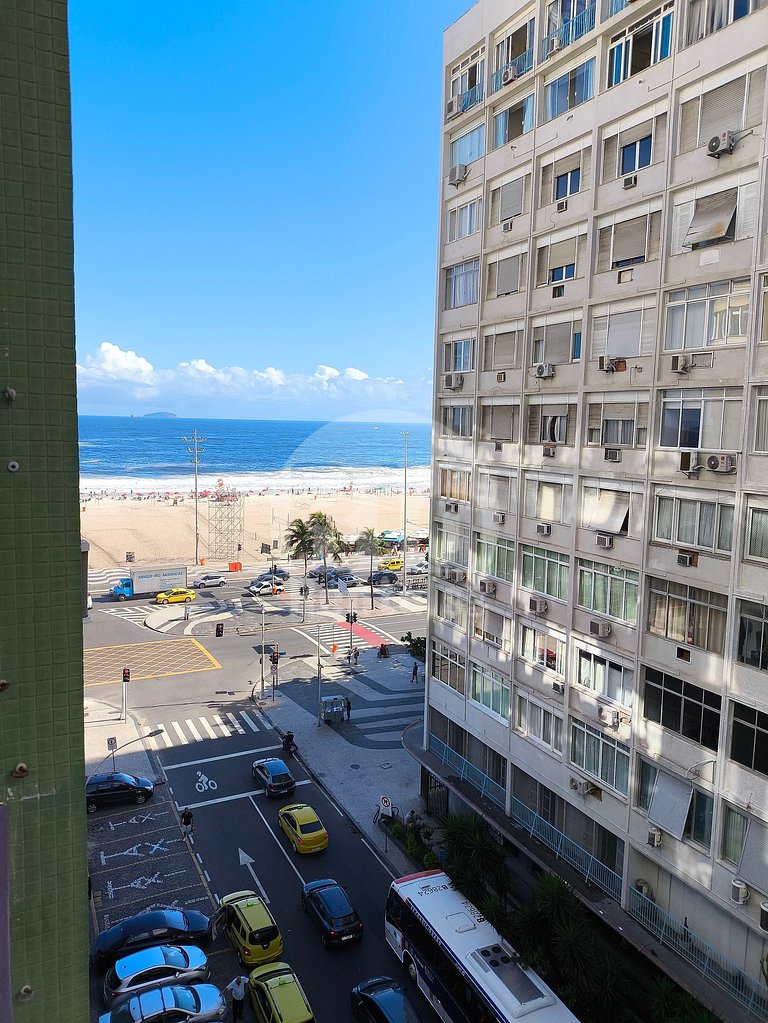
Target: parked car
[266, 586]
[116, 787]
[250, 928]
[274, 775]
[329, 907]
[155, 967]
[303, 828]
[158, 927]
[331, 571]
[392, 564]
[211, 579]
[348, 580]
[178, 595]
[382, 1000]
[419, 568]
[276, 994]
[314, 572]
[278, 573]
[382, 578]
[198, 1003]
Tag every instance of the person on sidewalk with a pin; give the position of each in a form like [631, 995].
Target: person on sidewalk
[239, 988]
[187, 822]
[348, 707]
[415, 673]
[356, 655]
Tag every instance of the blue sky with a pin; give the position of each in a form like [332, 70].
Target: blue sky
[256, 205]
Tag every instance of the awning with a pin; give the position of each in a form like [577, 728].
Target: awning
[754, 857]
[712, 218]
[669, 804]
[610, 511]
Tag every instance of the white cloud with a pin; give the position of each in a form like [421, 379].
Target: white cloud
[355, 374]
[111, 363]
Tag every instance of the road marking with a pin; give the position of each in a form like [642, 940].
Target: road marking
[207, 727]
[178, 730]
[312, 639]
[238, 795]
[248, 861]
[218, 720]
[279, 843]
[246, 717]
[164, 739]
[191, 726]
[235, 723]
[225, 756]
[375, 852]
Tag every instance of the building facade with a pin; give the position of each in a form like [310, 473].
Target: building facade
[598, 638]
[43, 863]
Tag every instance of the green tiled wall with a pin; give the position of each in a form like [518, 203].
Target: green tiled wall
[41, 710]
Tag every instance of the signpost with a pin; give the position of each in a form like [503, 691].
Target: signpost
[112, 746]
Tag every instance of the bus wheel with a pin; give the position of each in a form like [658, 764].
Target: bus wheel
[410, 966]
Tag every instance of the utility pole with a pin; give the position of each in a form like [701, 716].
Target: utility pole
[196, 451]
[406, 435]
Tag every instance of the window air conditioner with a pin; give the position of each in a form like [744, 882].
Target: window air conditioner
[558, 687]
[537, 606]
[498, 445]
[451, 506]
[453, 381]
[689, 463]
[488, 587]
[642, 886]
[583, 788]
[457, 174]
[507, 225]
[630, 181]
[604, 540]
[612, 454]
[719, 144]
[549, 452]
[739, 891]
[608, 716]
[499, 518]
[501, 378]
[721, 463]
[444, 571]
[686, 559]
[600, 629]
[544, 529]
[680, 364]
[554, 46]
[453, 108]
[654, 838]
[562, 205]
[455, 575]
[509, 74]
[606, 364]
[544, 371]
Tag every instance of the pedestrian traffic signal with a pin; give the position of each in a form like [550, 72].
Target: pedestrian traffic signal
[219, 629]
[274, 657]
[126, 674]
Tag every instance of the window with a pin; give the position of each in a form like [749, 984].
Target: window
[496, 491]
[557, 343]
[707, 314]
[539, 722]
[451, 608]
[640, 46]
[491, 627]
[736, 105]
[708, 418]
[698, 822]
[682, 707]
[505, 276]
[454, 484]
[606, 678]
[634, 147]
[450, 543]
[567, 183]
[566, 176]
[467, 79]
[752, 647]
[707, 16]
[499, 421]
[761, 418]
[704, 525]
[461, 283]
[513, 122]
[714, 218]
[618, 424]
[545, 571]
[600, 756]
[491, 690]
[551, 424]
[465, 219]
[636, 155]
[734, 833]
[763, 324]
[687, 614]
[448, 666]
[749, 738]
[548, 500]
[459, 356]
[513, 50]
[457, 421]
[757, 534]
[610, 511]
[510, 199]
[495, 556]
[542, 649]
[469, 146]
[568, 91]
[608, 590]
[502, 349]
[628, 242]
[623, 334]
[560, 261]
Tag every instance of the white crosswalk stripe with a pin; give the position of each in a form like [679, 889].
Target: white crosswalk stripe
[331, 633]
[181, 733]
[135, 613]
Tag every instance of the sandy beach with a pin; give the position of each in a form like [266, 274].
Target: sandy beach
[160, 529]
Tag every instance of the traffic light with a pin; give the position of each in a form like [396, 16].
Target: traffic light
[348, 616]
[239, 547]
[274, 657]
[354, 617]
[219, 629]
[126, 674]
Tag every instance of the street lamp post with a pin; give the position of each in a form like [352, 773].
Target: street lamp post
[406, 435]
[319, 681]
[138, 738]
[262, 650]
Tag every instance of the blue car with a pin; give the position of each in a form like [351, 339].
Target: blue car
[273, 774]
[198, 1003]
[159, 927]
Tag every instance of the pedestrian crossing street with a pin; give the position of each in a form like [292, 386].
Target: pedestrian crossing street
[210, 726]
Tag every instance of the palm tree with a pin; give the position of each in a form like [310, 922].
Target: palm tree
[327, 540]
[299, 541]
[369, 543]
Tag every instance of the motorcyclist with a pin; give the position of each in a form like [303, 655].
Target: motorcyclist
[289, 743]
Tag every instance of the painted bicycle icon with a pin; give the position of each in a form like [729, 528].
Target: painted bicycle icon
[204, 783]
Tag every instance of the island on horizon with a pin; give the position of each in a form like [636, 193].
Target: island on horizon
[159, 415]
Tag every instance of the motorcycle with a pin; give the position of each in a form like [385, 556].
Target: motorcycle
[289, 744]
[383, 651]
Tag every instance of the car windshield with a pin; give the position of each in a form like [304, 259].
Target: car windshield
[344, 921]
[186, 998]
[264, 936]
[311, 827]
[123, 1014]
[280, 779]
[174, 956]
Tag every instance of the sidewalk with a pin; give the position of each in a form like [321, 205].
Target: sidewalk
[102, 722]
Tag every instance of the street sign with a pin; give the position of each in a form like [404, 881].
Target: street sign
[343, 588]
[385, 806]
[273, 668]
[112, 742]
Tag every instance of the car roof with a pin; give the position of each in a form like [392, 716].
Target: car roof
[335, 899]
[274, 765]
[159, 955]
[303, 812]
[393, 1002]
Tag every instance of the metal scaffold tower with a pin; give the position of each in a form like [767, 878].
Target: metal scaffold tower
[226, 509]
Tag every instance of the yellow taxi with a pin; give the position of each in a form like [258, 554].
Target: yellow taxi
[277, 996]
[303, 828]
[391, 564]
[250, 928]
[178, 595]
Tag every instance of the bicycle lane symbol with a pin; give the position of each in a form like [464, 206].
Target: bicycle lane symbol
[205, 784]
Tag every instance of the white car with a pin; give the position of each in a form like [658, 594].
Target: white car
[419, 568]
[258, 589]
[212, 579]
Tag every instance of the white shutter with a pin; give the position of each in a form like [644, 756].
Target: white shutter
[508, 275]
[659, 138]
[557, 343]
[722, 109]
[599, 340]
[570, 430]
[746, 211]
[586, 168]
[505, 350]
[624, 334]
[581, 255]
[542, 265]
[495, 207]
[604, 249]
[561, 253]
[689, 125]
[511, 199]
[533, 435]
[610, 158]
[547, 192]
[629, 239]
[526, 193]
[654, 235]
[635, 134]
[682, 215]
[648, 332]
[755, 96]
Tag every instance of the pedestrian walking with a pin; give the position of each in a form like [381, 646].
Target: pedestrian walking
[415, 673]
[348, 707]
[238, 987]
[356, 655]
[187, 822]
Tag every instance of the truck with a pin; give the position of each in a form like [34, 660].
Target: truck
[148, 582]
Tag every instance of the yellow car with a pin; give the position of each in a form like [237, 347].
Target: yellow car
[391, 564]
[277, 996]
[178, 595]
[303, 828]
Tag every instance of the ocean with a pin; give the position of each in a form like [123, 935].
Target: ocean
[146, 454]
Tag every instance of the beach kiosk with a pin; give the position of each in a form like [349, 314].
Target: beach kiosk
[332, 708]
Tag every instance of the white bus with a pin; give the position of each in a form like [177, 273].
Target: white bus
[460, 963]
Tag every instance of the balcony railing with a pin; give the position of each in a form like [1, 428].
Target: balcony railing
[703, 957]
[472, 97]
[611, 7]
[518, 67]
[468, 772]
[569, 32]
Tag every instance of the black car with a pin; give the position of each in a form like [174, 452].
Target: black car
[329, 907]
[278, 573]
[274, 776]
[105, 789]
[160, 927]
[382, 577]
[382, 1000]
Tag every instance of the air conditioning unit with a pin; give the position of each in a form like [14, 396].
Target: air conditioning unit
[444, 569]
[562, 205]
[604, 540]
[498, 445]
[599, 629]
[721, 463]
[606, 364]
[654, 838]
[507, 225]
[455, 575]
[457, 174]
[544, 371]
[509, 74]
[630, 181]
[548, 451]
[554, 45]
[764, 916]
[612, 455]
[720, 144]
[499, 518]
[685, 559]
[689, 463]
[583, 788]
[453, 107]
[488, 587]
[501, 378]
[739, 891]
[608, 716]
[642, 886]
[680, 364]
[451, 506]
[453, 381]
[537, 606]
[544, 529]
[558, 687]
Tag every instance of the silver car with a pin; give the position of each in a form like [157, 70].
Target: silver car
[155, 967]
[211, 579]
[199, 1003]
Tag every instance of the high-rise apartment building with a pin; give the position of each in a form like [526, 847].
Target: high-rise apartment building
[43, 864]
[597, 658]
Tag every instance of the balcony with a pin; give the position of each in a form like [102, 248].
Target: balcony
[568, 32]
[471, 97]
[612, 7]
[514, 69]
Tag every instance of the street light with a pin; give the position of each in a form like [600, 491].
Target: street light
[406, 435]
[139, 738]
